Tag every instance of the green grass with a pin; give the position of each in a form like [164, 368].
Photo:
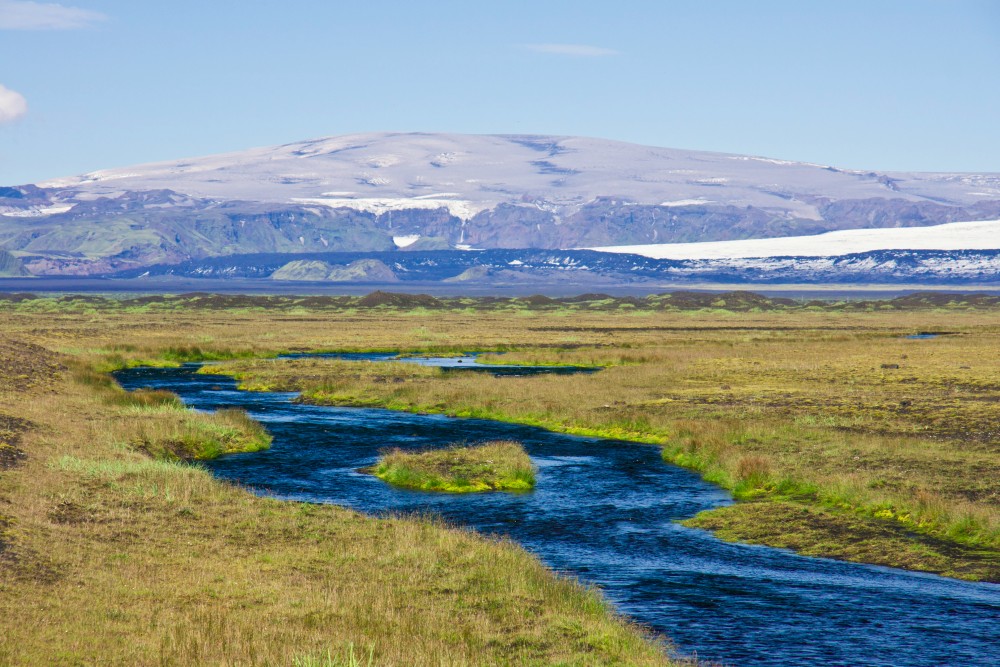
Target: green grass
[158, 423]
[489, 466]
[814, 531]
[346, 658]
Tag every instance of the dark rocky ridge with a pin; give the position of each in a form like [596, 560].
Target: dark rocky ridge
[736, 300]
[509, 266]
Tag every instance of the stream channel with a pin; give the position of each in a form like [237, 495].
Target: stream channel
[605, 511]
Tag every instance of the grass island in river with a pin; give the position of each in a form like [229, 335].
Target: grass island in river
[488, 466]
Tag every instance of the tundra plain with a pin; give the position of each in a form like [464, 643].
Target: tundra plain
[839, 434]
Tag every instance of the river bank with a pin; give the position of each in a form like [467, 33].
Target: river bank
[748, 439]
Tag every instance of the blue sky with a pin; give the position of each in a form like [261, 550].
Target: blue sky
[879, 84]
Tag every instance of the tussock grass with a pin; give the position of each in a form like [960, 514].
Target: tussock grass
[148, 399]
[176, 433]
[349, 657]
[157, 423]
[497, 465]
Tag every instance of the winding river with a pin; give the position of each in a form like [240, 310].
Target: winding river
[605, 511]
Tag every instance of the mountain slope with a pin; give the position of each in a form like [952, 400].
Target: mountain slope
[411, 192]
[10, 266]
[470, 173]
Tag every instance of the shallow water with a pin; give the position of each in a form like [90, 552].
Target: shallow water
[465, 362]
[605, 511]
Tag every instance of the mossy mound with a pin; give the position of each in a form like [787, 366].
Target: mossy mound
[392, 299]
[498, 465]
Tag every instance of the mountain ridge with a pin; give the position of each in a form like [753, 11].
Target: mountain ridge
[594, 268]
[407, 192]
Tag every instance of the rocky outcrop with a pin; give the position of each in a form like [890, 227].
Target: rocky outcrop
[303, 269]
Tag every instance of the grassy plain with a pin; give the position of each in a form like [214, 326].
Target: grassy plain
[890, 442]
[115, 550]
[842, 437]
[489, 466]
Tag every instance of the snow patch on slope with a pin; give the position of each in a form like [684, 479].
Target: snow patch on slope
[405, 241]
[686, 202]
[458, 208]
[33, 211]
[979, 235]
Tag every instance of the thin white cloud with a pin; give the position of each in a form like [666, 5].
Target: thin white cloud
[23, 15]
[12, 104]
[575, 50]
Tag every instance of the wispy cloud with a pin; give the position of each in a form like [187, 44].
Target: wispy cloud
[12, 104]
[575, 50]
[22, 15]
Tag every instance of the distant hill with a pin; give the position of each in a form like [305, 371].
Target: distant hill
[362, 270]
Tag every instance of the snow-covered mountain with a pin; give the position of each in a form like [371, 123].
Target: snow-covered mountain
[471, 173]
[391, 192]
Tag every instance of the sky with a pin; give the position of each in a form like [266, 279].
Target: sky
[875, 84]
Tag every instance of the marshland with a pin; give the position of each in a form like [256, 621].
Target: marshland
[836, 434]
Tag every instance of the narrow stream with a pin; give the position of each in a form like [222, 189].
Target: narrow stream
[605, 511]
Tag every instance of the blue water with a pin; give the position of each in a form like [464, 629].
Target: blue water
[605, 511]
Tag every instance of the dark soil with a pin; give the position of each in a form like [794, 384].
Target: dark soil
[25, 366]
[11, 429]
